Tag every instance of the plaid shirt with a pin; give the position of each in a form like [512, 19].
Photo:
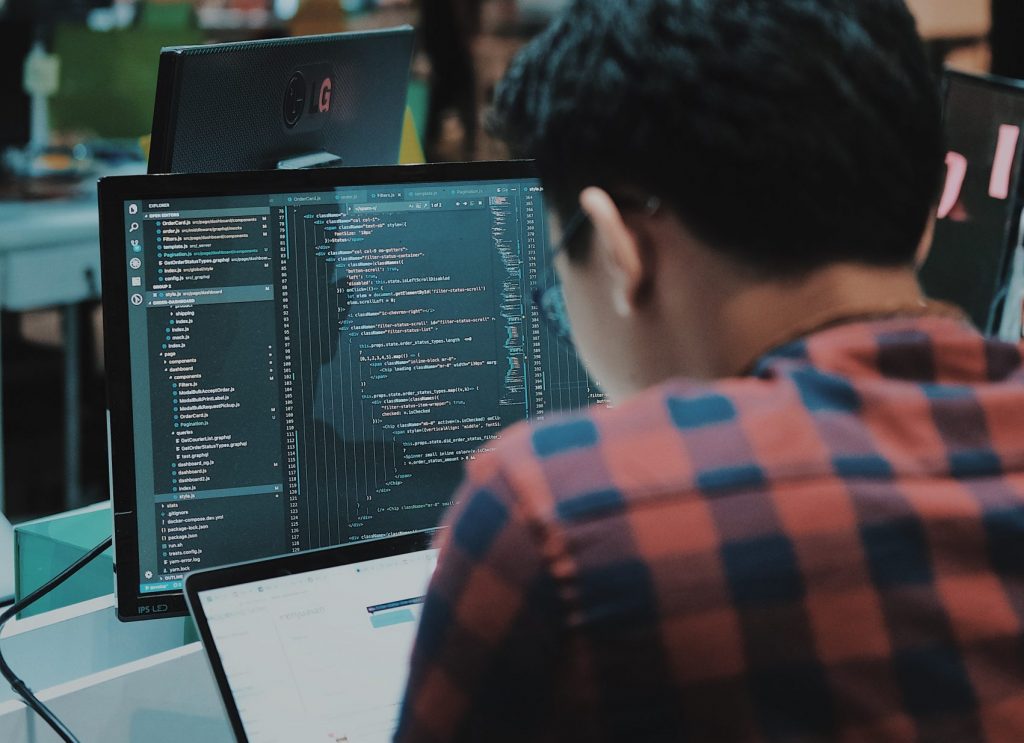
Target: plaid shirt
[829, 549]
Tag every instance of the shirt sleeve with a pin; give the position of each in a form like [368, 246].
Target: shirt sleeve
[486, 653]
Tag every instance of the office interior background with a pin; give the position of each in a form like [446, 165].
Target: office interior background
[100, 115]
[78, 82]
[100, 111]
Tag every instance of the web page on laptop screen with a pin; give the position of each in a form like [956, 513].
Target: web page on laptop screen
[321, 656]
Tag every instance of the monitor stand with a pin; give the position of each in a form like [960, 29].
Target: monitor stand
[311, 160]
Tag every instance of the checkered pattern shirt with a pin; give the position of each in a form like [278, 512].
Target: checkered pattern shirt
[829, 549]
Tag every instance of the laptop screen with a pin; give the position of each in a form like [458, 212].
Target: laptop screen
[323, 655]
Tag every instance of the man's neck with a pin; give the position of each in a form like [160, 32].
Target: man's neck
[714, 321]
[761, 316]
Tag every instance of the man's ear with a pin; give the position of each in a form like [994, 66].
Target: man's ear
[616, 249]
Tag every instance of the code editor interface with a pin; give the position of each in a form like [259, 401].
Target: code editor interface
[315, 368]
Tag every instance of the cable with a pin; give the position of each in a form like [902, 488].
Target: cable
[993, 309]
[18, 686]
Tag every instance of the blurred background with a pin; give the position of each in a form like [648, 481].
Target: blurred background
[100, 111]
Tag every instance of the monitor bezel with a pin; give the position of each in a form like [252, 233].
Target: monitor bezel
[279, 567]
[113, 192]
[980, 78]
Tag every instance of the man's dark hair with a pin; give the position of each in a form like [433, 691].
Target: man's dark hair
[788, 134]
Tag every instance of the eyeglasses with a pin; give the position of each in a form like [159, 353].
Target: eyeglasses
[551, 304]
[570, 231]
[550, 300]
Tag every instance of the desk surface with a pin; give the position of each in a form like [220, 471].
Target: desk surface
[49, 253]
[50, 249]
[30, 224]
[27, 225]
[110, 681]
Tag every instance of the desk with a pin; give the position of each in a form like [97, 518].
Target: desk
[109, 681]
[50, 257]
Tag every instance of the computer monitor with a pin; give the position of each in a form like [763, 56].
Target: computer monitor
[299, 359]
[336, 99]
[980, 201]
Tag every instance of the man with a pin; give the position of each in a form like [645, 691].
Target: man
[803, 519]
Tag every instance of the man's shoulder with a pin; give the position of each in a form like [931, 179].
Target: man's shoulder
[870, 401]
[677, 437]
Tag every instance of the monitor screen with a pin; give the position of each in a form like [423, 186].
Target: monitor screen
[286, 648]
[309, 367]
[979, 203]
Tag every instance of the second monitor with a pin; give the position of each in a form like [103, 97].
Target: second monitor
[980, 206]
[301, 359]
[336, 99]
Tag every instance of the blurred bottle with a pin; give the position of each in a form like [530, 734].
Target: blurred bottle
[448, 29]
[317, 17]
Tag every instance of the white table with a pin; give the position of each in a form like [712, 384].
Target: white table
[50, 257]
[111, 682]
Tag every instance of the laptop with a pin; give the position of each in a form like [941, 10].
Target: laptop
[314, 646]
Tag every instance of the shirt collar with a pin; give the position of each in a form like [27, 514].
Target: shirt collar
[789, 342]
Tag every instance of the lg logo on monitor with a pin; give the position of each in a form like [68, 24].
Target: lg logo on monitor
[313, 84]
[325, 95]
